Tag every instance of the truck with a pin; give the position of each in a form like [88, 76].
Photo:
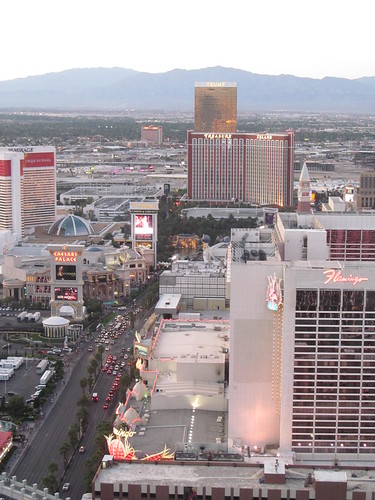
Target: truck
[42, 367]
[35, 317]
[21, 316]
[47, 375]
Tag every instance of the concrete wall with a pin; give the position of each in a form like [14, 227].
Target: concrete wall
[253, 407]
[161, 401]
[316, 244]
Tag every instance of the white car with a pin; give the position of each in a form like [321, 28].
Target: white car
[81, 449]
[66, 486]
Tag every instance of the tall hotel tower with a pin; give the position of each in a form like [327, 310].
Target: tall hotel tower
[215, 107]
[27, 187]
[250, 168]
[302, 346]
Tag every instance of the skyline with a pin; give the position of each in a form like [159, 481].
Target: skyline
[325, 39]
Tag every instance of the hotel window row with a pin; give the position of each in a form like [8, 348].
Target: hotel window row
[334, 372]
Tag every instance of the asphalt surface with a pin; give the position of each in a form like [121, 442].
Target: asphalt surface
[50, 432]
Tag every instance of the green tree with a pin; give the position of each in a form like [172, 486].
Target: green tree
[73, 435]
[94, 365]
[51, 483]
[83, 384]
[16, 407]
[99, 355]
[83, 401]
[82, 417]
[64, 450]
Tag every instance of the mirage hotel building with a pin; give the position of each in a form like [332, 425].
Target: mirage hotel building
[27, 188]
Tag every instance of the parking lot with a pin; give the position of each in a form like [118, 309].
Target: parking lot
[23, 381]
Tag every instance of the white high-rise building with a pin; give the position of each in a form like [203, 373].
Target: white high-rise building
[27, 187]
[302, 353]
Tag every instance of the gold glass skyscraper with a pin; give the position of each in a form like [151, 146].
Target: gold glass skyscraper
[216, 107]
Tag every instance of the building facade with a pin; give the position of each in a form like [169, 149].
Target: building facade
[303, 339]
[11, 192]
[215, 107]
[152, 134]
[28, 186]
[250, 168]
[366, 190]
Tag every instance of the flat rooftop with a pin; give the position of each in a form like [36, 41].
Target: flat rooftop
[221, 475]
[204, 340]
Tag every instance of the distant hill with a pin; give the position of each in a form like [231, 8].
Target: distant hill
[119, 88]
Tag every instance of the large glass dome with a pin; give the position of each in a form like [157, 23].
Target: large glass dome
[71, 225]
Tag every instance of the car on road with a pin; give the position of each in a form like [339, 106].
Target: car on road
[66, 486]
[81, 449]
[105, 406]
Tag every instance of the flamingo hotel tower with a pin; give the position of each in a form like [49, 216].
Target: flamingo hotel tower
[27, 188]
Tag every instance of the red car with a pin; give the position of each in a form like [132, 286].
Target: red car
[105, 406]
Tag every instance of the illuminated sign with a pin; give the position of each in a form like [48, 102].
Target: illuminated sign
[143, 244]
[273, 295]
[150, 206]
[21, 149]
[66, 293]
[120, 448]
[67, 273]
[143, 226]
[65, 256]
[218, 136]
[268, 137]
[335, 276]
[141, 350]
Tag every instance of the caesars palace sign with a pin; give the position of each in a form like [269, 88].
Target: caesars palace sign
[65, 256]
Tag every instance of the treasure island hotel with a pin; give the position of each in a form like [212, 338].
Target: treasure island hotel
[225, 165]
[27, 187]
[302, 353]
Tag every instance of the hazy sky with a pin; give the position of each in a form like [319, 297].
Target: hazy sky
[299, 37]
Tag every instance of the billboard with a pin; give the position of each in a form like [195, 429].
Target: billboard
[66, 293]
[66, 273]
[39, 159]
[143, 229]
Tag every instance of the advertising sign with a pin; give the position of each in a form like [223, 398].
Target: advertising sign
[66, 293]
[66, 273]
[143, 229]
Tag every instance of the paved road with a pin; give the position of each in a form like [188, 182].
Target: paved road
[51, 432]
[77, 469]
[59, 416]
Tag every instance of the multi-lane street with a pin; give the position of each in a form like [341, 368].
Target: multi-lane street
[52, 431]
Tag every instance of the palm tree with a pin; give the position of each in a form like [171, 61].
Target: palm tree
[83, 401]
[83, 417]
[94, 365]
[64, 449]
[99, 355]
[83, 384]
[73, 435]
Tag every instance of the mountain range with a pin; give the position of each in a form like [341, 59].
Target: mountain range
[123, 89]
